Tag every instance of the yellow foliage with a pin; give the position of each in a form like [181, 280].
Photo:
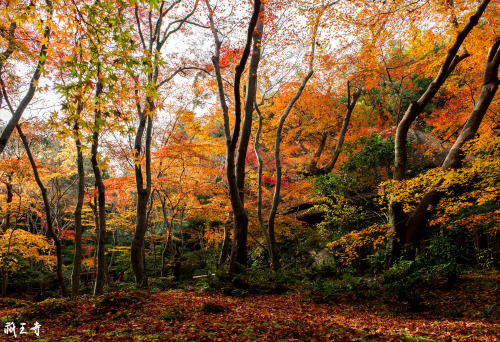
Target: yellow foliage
[473, 185]
[89, 263]
[350, 247]
[26, 245]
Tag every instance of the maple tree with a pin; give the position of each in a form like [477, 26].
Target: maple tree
[13, 14]
[199, 129]
[398, 221]
[239, 137]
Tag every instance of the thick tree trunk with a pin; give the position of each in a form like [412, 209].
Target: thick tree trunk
[417, 223]
[50, 228]
[397, 217]
[240, 236]
[77, 259]
[235, 172]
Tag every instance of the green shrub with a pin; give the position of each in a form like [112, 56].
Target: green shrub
[441, 260]
[163, 283]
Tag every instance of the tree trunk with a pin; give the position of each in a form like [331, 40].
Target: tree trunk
[101, 197]
[77, 259]
[417, 223]
[227, 238]
[5, 271]
[312, 167]
[273, 250]
[239, 248]
[115, 241]
[42, 57]
[235, 172]
[397, 217]
[141, 224]
[46, 203]
[10, 195]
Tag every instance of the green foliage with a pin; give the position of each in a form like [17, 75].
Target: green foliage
[122, 263]
[171, 314]
[28, 280]
[213, 281]
[369, 160]
[407, 278]
[343, 216]
[443, 258]
[163, 283]
[486, 258]
[349, 285]
[12, 303]
[321, 290]
[198, 262]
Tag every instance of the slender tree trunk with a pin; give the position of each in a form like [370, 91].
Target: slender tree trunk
[101, 196]
[397, 217]
[227, 238]
[312, 167]
[10, 196]
[273, 250]
[263, 226]
[42, 57]
[5, 264]
[164, 256]
[115, 241]
[4, 227]
[137, 248]
[168, 228]
[77, 259]
[46, 203]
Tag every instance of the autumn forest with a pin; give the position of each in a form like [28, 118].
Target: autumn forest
[167, 167]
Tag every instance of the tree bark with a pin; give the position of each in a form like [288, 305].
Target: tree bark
[101, 196]
[42, 57]
[10, 196]
[77, 259]
[226, 240]
[272, 247]
[5, 262]
[235, 172]
[46, 203]
[151, 50]
[417, 223]
[273, 250]
[143, 192]
[312, 167]
[397, 217]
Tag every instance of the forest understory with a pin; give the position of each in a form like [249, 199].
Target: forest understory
[358, 311]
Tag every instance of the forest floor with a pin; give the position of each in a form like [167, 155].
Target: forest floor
[466, 313]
